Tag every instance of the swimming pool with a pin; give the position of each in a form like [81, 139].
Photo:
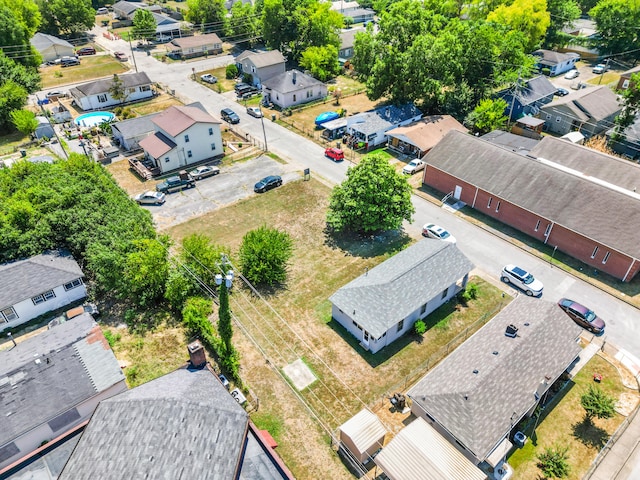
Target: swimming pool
[94, 119]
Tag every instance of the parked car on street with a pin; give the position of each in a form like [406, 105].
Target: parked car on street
[229, 115]
[522, 279]
[571, 74]
[600, 68]
[431, 230]
[175, 184]
[414, 166]
[267, 183]
[254, 112]
[208, 78]
[334, 154]
[583, 316]
[204, 171]
[150, 198]
[86, 51]
[120, 56]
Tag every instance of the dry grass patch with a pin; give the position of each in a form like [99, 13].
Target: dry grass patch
[563, 423]
[91, 67]
[158, 104]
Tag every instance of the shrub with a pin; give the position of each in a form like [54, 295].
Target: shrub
[553, 462]
[112, 338]
[231, 72]
[420, 327]
[472, 288]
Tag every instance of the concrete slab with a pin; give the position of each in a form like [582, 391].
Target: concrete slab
[299, 374]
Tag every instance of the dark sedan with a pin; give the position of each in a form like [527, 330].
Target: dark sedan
[267, 183]
[582, 315]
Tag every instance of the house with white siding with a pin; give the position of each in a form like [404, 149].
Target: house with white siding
[96, 95]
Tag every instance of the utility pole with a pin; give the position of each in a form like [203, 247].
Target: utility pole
[132, 55]
[606, 67]
[264, 132]
[513, 99]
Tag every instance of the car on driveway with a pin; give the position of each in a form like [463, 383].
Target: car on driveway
[208, 78]
[150, 198]
[600, 68]
[267, 183]
[120, 56]
[55, 94]
[413, 166]
[229, 115]
[175, 184]
[204, 171]
[69, 61]
[571, 74]
[561, 92]
[334, 154]
[254, 112]
[86, 51]
[522, 279]
[432, 230]
[583, 316]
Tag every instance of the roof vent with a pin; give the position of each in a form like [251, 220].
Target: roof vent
[475, 371]
[527, 324]
[495, 352]
[512, 331]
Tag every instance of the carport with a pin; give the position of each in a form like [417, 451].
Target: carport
[419, 451]
[362, 435]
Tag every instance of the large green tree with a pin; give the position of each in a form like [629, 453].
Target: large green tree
[19, 21]
[66, 17]
[144, 25]
[322, 62]
[12, 97]
[264, 254]
[373, 198]
[617, 22]
[27, 77]
[210, 15]
[146, 271]
[244, 23]
[489, 115]
[630, 107]
[527, 16]
[562, 14]
[25, 121]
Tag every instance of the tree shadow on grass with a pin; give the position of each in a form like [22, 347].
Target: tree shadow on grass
[589, 434]
[367, 246]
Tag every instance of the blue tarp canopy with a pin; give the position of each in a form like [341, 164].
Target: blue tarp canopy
[326, 117]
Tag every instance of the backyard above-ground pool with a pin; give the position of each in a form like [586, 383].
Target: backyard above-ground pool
[93, 119]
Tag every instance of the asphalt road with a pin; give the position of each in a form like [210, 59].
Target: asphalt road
[487, 251]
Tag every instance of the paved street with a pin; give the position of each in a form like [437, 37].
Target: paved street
[489, 252]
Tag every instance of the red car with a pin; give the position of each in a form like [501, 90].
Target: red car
[86, 51]
[334, 154]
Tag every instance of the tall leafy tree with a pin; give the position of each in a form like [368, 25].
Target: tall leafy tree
[146, 271]
[489, 115]
[527, 16]
[264, 254]
[244, 23]
[25, 121]
[211, 15]
[373, 198]
[144, 25]
[630, 108]
[322, 62]
[617, 22]
[12, 97]
[562, 14]
[19, 21]
[66, 17]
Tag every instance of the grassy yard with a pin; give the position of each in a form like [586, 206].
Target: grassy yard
[91, 67]
[223, 85]
[295, 322]
[562, 423]
[11, 141]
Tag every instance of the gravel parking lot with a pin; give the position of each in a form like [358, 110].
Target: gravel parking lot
[232, 184]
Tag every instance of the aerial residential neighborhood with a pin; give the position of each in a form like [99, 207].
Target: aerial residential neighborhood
[320, 240]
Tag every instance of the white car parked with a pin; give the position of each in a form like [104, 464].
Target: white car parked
[414, 166]
[432, 230]
[571, 74]
[522, 279]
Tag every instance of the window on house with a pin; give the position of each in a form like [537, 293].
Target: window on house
[444, 294]
[547, 230]
[558, 119]
[186, 139]
[595, 250]
[145, 88]
[71, 285]
[423, 309]
[498, 206]
[189, 154]
[548, 116]
[489, 202]
[625, 84]
[38, 299]
[294, 97]
[8, 314]
[167, 159]
[211, 131]
[606, 257]
[400, 325]
[213, 146]
[537, 226]
[102, 98]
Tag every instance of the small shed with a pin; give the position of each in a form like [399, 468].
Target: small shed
[363, 435]
[419, 451]
[574, 137]
[528, 126]
[44, 128]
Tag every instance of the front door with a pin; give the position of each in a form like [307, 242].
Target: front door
[365, 338]
[457, 192]
[181, 159]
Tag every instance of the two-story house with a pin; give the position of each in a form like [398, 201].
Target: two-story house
[260, 66]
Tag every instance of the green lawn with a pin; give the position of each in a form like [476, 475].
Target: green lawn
[91, 67]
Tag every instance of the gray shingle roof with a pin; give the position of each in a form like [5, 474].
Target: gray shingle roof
[550, 57]
[24, 279]
[383, 118]
[535, 89]
[135, 126]
[262, 59]
[596, 103]
[52, 372]
[40, 41]
[283, 82]
[102, 86]
[379, 297]
[515, 143]
[557, 195]
[477, 408]
[182, 425]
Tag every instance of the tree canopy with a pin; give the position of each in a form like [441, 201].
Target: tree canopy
[66, 17]
[144, 25]
[630, 107]
[489, 115]
[25, 121]
[211, 15]
[244, 23]
[597, 403]
[373, 198]
[19, 21]
[264, 254]
[527, 16]
[322, 62]
[562, 14]
[617, 22]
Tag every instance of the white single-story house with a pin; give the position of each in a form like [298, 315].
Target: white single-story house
[261, 65]
[556, 62]
[96, 96]
[362, 435]
[51, 384]
[183, 136]
[51, 47]
[370, 128]
[480, 392]
[419, 451]
[293, 88]
[376, 307]
[197, 45]
[37, 285]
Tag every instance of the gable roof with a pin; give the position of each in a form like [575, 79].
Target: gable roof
[515, 143]
[157, 144]
[132, 127]
[592, 103]
[460, 393]
[538, 186]
[531, 90]
[48, 374]
[196, 40]
[383, 118]
[102, 86]
[551, 58]
[628, 73]
[364, 429]
[428, 131]
[348, 37]
[378, 300]
[41, 41]
[262, 59]
[181, 425]
[291, 81]
[177, 119]
[24, 279]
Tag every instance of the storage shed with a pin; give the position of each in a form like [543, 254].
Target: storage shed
[363, 435]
